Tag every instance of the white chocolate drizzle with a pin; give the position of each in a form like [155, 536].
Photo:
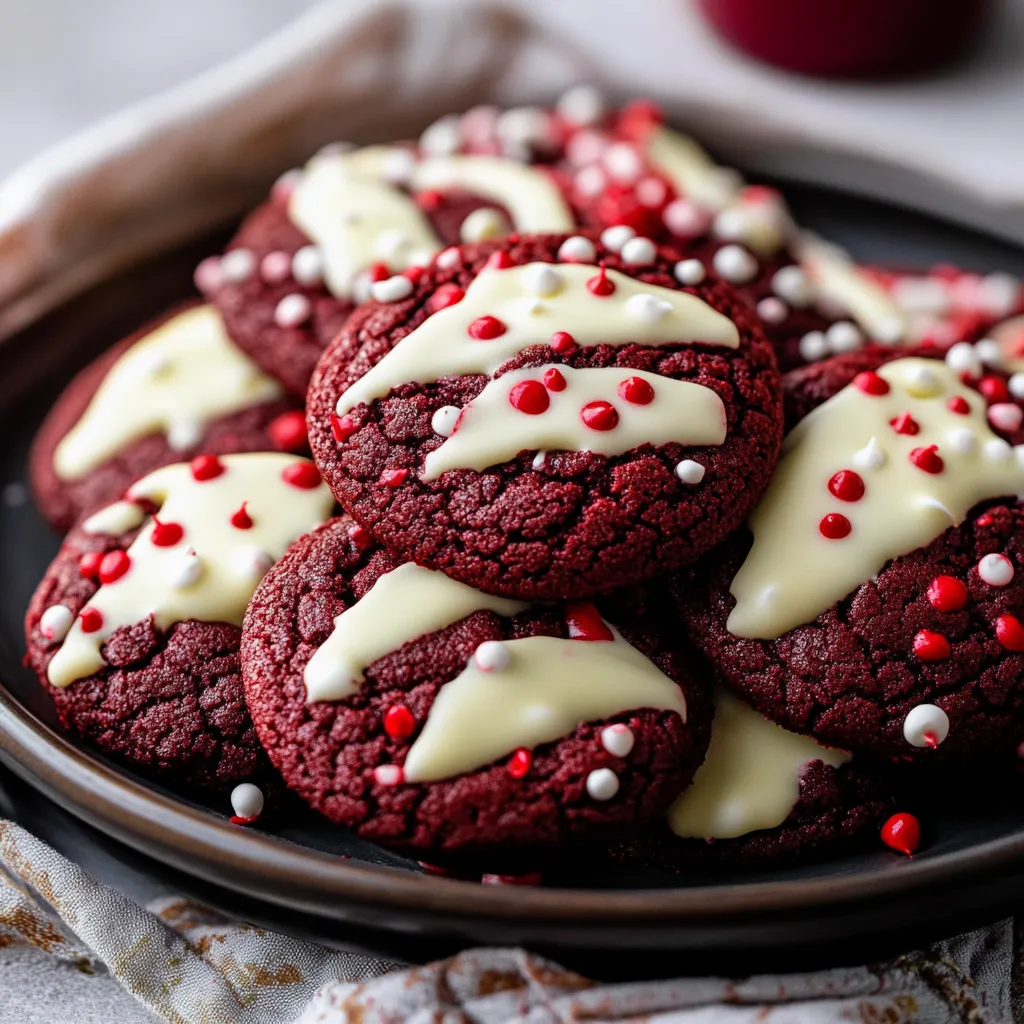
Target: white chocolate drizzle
[401, 606]
[635, 313]
[210, 572]
[173, 381]
[115, 519]
[794, 572]
[693, 174]
[750, 778]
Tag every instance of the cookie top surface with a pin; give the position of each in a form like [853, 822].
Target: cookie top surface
[134, 629]
[175, 388]
[876, 604]
[536, 426]
[448, 723]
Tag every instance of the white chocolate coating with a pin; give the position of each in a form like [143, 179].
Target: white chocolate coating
[173, 381]
[442, 346]
[750, 779]
[200, 577]
[492, 430]
[793, 573]
[115, 519]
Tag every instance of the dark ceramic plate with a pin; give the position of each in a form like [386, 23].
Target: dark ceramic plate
[307, 877]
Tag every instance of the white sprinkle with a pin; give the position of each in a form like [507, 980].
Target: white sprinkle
[590, 181]
[870, 456]
[813, 346]
[639, 252]
[449, 259]
[1005, 416]
[207, 276]
[732, 225]
[585, 147]
[484, 224]
[581, 105]
[995, 570]
[543, 279]
[1000, 294]
[293, 310]
[921, 382]
[442, 137]
[647, 307]
[540, 460]
[577, 249]
[623, 162]
[492, 656]
[926, 725]
[238, 265]
[998, 450]
[961, 358]
[735, 264]
[388, 774]
[685, 219]
[792, 286]
[308, 265]
[361, 285]
[184, 434]
[398, 166]
[444, 419]
[276, 267]
[962, 440]
[844, 337]
[1016, 385]
[15, 495]
[252, 563]
[989, 351]
[523, 128]
[689, 272]
[616, 237]
[772, 310]
[187, 571]
[247, 800]
[617, 739]
[55, 622]
[690, 472]
[602, 784]
[391, 289]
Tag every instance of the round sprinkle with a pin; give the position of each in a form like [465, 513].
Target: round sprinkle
[690, 472]
[639, 252]
[308, 265]
[577, 249]
[844, 337]
[930, 646]
[870, 456]
[238, 265]
[492, 656]
[484, 224]
[449, 259]
[166, 535]
[847, 485]
[247, 801]
[871, 384]
[905, 424]
[582, 105]
[599, 415]
[360, 537]
[989, 351]
[392, 289]
[617, 739]
[342, 427]
[648, 308]
[91, 620]
[922, 382]
[997, 450]
[963, 360]
[207, 276]
[240, 518]
[601, 285]
[685, 219]
[926, 725]
[276, 267]
[902, 832]
[996, 570]
[544, 280]
[602, 784]
[623, 162]
[553, 379]
[772, 310]
[813, 346]
[791, 285]
[393, 477]
[994, 389]
[187, 570]
[616, 237]
[519, 763]
[113, 566]
[637, 391]
[445, 296]
[689, 272]
[834, 526]
[927, 459]
[735, 264]
[444, 419]
[562, 341]
[89, 564]
[486, 328]
[388, 775]
[1006, 416]
[530, 397]
[293, 311]
[539, 460]
[303, 475]
[962, 440]
[184, 434]
[959, 405]
[399, 723]
[288, 431]
[947, 594]
[1015, 385]
[55, 622]
[206, 467]
[1010, 632]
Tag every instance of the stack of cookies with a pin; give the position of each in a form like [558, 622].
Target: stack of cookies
[573, 563]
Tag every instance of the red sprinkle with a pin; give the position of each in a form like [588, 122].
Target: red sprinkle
[114, 565]
[91, 619]
[206, 467]
[166, 535]
[902, 832]
[601, 285]
[360, 537]
[1010, 632]
[871, 384]
[413, 273]
[984, 520]
[947, 594]
[430, 199]
[847, 485]
[534, 878]
[301, 474]
[519, 763]
[445, 296]
[399, 723]
[585, 622]
[240, 519]
[554, 380]
[905, 424]
[563, 341]
[530, 397]
[636, 390]
[928, 459]
[89, 564]
[342, 427]
[639, 118]
[236, 820]
[959, 405]
[994, 389]
[379, 272]
[600, 415]
[834, 526]
[929, 646]
[393, 477]
[499, 260]
[485, 328]
[288, 431]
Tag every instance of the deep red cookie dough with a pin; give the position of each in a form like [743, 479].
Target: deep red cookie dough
[327, 751]
[167, 704]
[583, 523]
[62, 502]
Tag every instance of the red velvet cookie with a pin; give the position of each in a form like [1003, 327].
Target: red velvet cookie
[878, 606]
[134, 629]
[451, 725]
[171, 390]
[535, 426]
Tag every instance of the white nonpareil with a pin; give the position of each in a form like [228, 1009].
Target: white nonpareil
[401, 606]
[200, 576]
[750, 778]
[793, 572]
[173, 381]
[442, 345]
